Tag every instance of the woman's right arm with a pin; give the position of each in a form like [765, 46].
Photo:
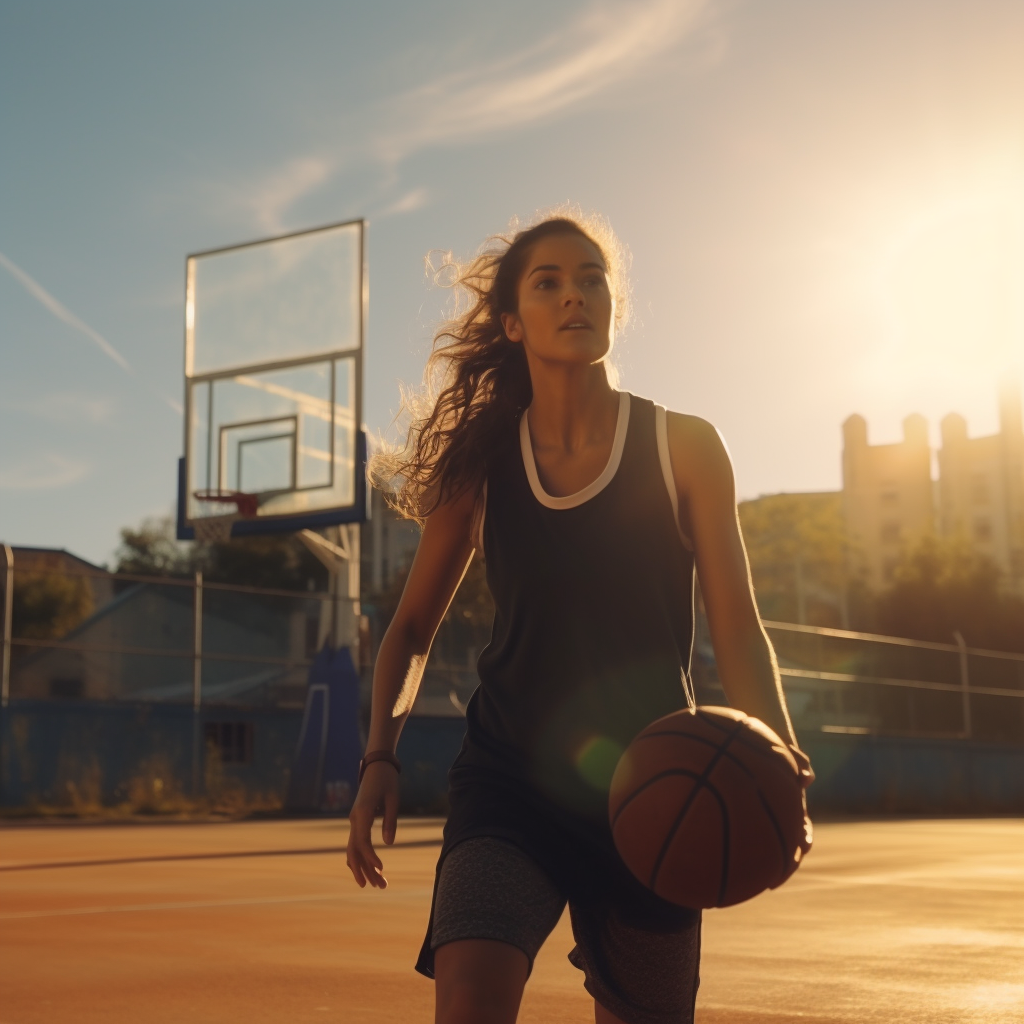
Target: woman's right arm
[444, 553]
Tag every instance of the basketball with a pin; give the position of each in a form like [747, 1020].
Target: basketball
[706, 808]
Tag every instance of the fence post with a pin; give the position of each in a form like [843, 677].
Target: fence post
[197, 680]
[5, 659]
[965, 691]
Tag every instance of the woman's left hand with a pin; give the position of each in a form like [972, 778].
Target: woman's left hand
[803, 764]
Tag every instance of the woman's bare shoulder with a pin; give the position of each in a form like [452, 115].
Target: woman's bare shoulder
[693, 441]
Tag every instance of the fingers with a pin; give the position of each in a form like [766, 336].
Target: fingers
[807, 839]
[361, 857]
[803, 763]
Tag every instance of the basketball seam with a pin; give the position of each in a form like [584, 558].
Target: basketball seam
[740, 739]
[715, 723]
[701, 739]
[778, 830]
[723, 807]
[725, 854]
[702, 781]
[668, 773]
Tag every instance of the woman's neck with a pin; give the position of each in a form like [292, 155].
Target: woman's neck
[572, 408]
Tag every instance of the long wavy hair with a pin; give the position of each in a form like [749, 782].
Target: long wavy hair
[477, 382]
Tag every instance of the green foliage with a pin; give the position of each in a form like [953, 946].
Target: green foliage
[47, 605]
[153, 550]
[796, 547]
[280, 561]
[942, 585]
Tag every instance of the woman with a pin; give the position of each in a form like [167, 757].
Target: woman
[593, 508]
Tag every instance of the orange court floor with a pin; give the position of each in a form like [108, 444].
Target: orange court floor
[907, 921]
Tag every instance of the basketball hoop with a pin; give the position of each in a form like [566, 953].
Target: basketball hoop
[226, 508]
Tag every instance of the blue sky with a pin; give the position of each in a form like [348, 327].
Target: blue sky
[824, 200]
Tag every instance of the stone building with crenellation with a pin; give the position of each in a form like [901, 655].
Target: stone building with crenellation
[890, 499]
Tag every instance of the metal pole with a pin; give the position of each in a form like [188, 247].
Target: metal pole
[5, 668]
[197, 679]
[965, 689]
[334, 581]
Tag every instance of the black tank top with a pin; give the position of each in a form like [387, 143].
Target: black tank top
[592, 636]
[593, 625]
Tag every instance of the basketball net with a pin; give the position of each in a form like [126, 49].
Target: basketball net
[227, 508]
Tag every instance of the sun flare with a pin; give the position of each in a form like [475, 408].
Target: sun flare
[950, 288]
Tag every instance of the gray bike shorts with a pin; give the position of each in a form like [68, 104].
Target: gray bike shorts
[490, 889]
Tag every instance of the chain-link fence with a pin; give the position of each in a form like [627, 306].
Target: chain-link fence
[91, 635]
[80, 635]
[839, 681]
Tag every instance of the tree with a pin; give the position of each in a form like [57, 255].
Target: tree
[278, 561]
[47, 605]
[153, 550]
[797, 552]
[941, 586]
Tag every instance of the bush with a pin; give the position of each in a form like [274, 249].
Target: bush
[47, 606]
[941, 586]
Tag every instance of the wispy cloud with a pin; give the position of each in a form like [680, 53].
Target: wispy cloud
[412, 200]
[46, 471]
[61, 312]
[268, 198]
[589, 55]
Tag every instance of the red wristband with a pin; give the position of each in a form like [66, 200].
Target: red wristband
[378, 755]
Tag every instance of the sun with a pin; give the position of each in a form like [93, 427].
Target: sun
[950, 290]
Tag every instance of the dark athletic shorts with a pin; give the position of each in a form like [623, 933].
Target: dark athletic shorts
[489, 889]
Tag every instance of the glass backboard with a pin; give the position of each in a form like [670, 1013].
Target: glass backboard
[273, 381]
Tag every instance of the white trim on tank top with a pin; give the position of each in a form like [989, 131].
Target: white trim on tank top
[595, 486]
[661, 430]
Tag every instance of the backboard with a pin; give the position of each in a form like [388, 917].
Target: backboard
[274, 381]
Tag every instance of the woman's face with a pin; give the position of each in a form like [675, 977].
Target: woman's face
[566, 308]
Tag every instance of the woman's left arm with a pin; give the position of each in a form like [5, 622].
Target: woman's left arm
[707, 499]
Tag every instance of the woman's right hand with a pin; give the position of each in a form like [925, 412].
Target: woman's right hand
[377, 792]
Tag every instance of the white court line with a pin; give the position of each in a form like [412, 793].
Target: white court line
[412, 894]
[20, 915]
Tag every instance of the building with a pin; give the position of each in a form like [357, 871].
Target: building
[42, 562]
[981, 488]
[888, 500]
[140, 646]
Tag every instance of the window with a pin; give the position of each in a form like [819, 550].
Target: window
[231, 741]
[982, 530]
[890, 532]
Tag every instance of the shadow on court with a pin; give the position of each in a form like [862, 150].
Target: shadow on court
[896, 921]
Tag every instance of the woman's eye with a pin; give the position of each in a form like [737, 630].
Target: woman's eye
[547, 282]
[591, 282]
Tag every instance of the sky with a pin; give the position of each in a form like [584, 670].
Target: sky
[823, 199]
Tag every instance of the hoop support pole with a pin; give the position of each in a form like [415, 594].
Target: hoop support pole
[197, 679]
[5, 658]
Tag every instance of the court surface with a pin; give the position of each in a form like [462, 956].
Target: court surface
[259, 921]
